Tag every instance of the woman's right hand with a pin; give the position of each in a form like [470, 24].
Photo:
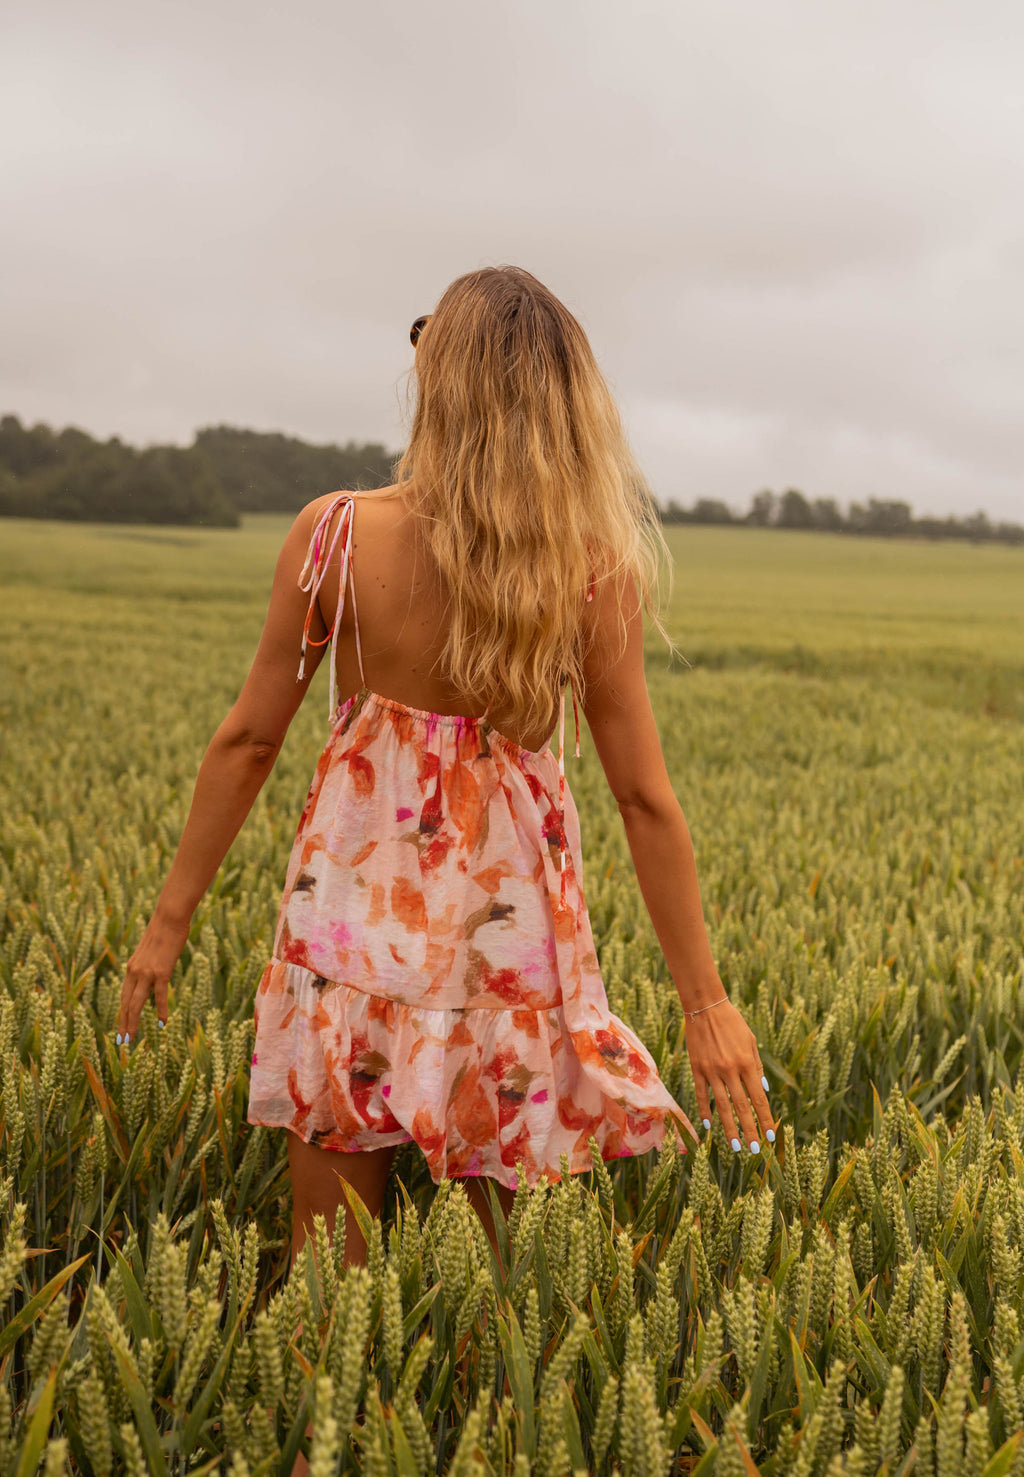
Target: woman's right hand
[149, 972]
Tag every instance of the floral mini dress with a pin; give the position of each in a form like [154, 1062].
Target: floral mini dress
[434, 976]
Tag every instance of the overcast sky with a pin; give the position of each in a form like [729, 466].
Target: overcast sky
[793, 231]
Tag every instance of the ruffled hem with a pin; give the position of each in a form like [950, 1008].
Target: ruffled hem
[478, 1090]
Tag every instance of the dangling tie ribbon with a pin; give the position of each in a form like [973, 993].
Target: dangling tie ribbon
[311, 577]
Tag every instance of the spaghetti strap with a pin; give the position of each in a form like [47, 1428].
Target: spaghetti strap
[311, 577]
[348, 575]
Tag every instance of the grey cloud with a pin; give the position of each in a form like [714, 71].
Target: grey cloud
[794, 233]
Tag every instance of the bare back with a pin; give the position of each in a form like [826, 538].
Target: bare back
[401, 610]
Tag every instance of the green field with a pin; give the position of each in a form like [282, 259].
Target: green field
[847, 741]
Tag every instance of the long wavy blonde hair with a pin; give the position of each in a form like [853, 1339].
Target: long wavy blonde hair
[518, 467]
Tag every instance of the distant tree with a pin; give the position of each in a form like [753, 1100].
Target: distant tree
[175, 485]
[764, 509]
[795, 510]
[710, 510]
[72, 476]
[977, 527]
[24, 451]
[826, 514]
[881, 517]
[225, 472]
[94, 486]
[937, 528]
[71, 443]
[11, 496]
[265, 472]
[229, 470]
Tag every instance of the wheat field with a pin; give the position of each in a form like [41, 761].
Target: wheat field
[844, 725]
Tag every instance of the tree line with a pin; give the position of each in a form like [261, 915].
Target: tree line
[224, 473]
[228, 471]
[879, 517]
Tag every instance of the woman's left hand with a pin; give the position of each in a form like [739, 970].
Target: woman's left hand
[149, 972]
[724, 1058]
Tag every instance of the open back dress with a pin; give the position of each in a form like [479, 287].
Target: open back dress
[434, 976]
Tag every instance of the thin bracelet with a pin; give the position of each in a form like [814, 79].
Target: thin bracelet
[691, 1013]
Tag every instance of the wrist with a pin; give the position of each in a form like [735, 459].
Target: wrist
[692, 1015]
[173, 914]
[700, 993]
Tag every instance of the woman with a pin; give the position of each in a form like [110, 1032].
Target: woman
[434, 976]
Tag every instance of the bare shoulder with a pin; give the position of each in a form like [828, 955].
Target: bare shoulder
[379, 507]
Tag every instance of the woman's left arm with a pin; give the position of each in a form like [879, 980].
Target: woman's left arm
[240, 756]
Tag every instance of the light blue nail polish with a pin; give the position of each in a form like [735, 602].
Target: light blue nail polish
[755, 1147]
[764, 1083]
[736, 1146]
[706, 1122]
[161, 1024]
[119, 1038]
[127, 1039]
[770, 1135]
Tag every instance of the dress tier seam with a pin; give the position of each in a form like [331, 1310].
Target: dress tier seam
[405, 1004]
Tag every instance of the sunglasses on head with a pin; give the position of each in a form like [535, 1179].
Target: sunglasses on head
[417, 329]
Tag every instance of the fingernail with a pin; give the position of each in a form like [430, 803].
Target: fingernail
[119, 1038]
[706, 1122]
[769, 1134]
[161, 1024]
[736, 1145]
[764, 1083]
[127, 1039]
[755, 1147]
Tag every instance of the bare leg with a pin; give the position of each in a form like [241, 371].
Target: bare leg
[476, 1190]
[317, 1175]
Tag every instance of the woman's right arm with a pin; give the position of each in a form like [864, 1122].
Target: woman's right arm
[723, 1051]
[240, 755]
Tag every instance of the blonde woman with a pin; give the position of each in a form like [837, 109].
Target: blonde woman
[434, 975]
